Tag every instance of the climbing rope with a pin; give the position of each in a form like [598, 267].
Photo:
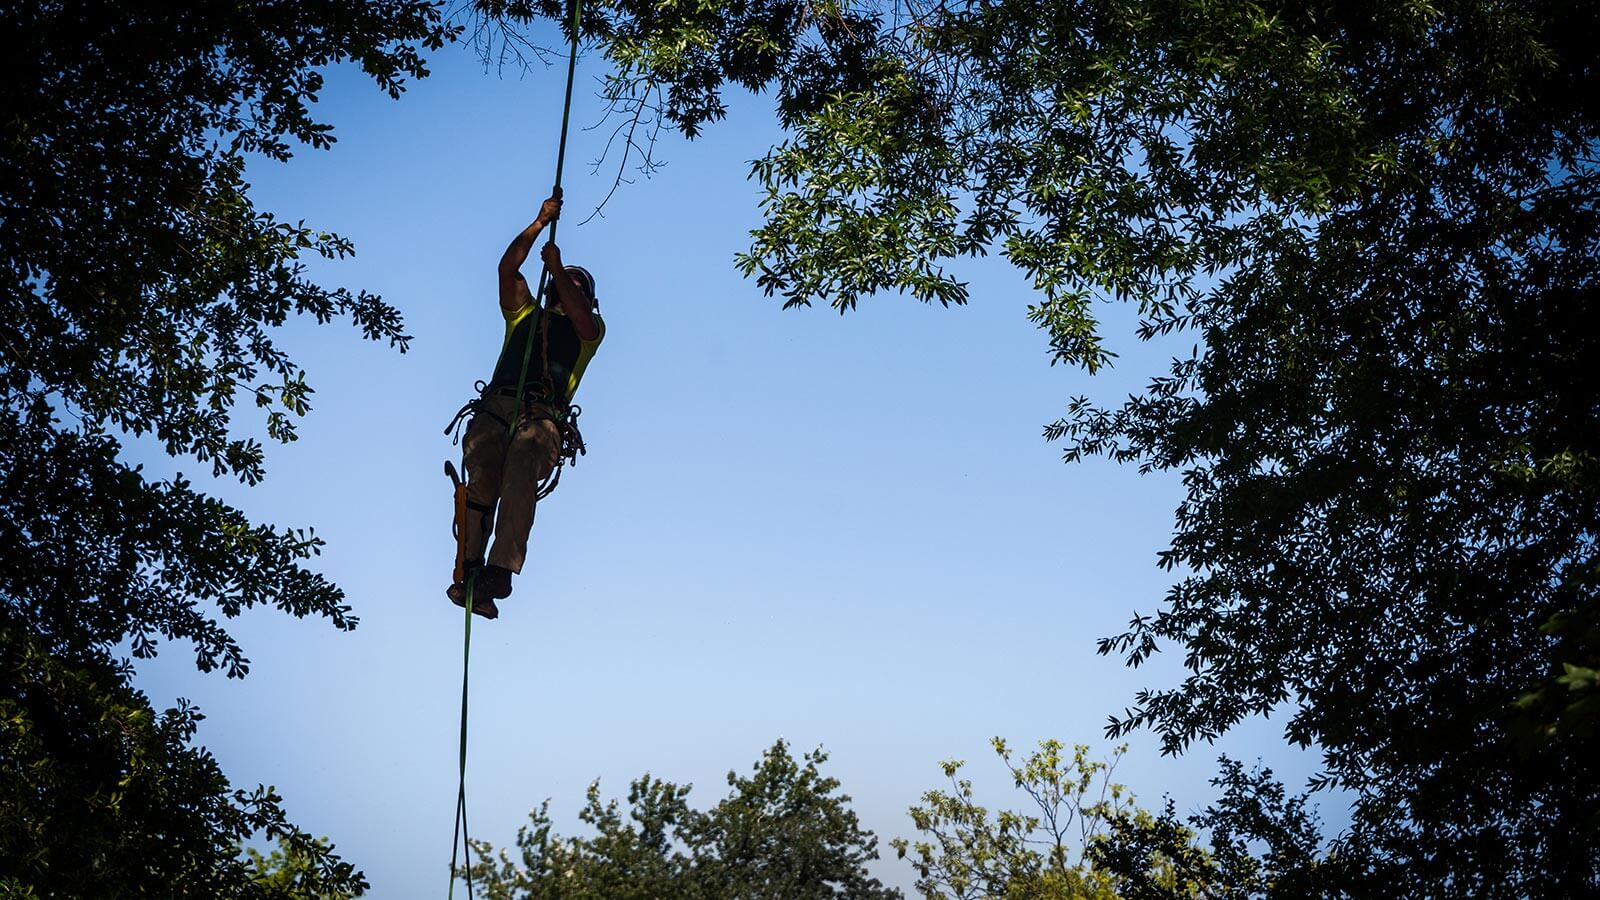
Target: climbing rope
[460, 828]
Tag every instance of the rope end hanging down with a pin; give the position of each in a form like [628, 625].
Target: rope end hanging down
[460, 828]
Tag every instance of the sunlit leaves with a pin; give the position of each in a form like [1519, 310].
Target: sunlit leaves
[963, 850]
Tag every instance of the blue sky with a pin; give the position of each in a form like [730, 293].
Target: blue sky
[845, 531]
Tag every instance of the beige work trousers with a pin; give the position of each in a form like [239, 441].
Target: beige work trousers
[507, 478]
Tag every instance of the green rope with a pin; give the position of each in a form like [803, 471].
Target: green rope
[561, 161]
[465, 845]
[461, 785]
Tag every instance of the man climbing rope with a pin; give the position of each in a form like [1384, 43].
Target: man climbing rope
[546, 350]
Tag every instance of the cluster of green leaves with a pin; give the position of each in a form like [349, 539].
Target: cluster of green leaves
[968, 853]
[1084, 837]
[99, 557]
[1566, 707]
[100, 796]
[292, 870]
[139, 293]
[783, 831]
[1378, 225]
[1372, 534]
[1263, 843]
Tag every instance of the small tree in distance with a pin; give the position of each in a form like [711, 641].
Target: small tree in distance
[967, 852]
[1085, 838]
[784, 831]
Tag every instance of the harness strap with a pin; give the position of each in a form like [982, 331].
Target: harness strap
[479, 407]
[471, 408]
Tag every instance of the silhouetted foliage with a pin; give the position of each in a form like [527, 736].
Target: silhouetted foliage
[139, 290]
[784, 832]
[1262, 843]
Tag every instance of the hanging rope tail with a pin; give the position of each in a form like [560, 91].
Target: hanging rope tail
[464, 846]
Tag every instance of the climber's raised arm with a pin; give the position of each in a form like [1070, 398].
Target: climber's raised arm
[514, 293]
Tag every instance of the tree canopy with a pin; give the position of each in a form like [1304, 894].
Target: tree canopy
[783, 831]
[1372, 231]
[139, 292]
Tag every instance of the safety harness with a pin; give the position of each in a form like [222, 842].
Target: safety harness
[533, 409]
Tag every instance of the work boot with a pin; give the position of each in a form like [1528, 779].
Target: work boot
[482, 600]
[494, 582]
[481, 605]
